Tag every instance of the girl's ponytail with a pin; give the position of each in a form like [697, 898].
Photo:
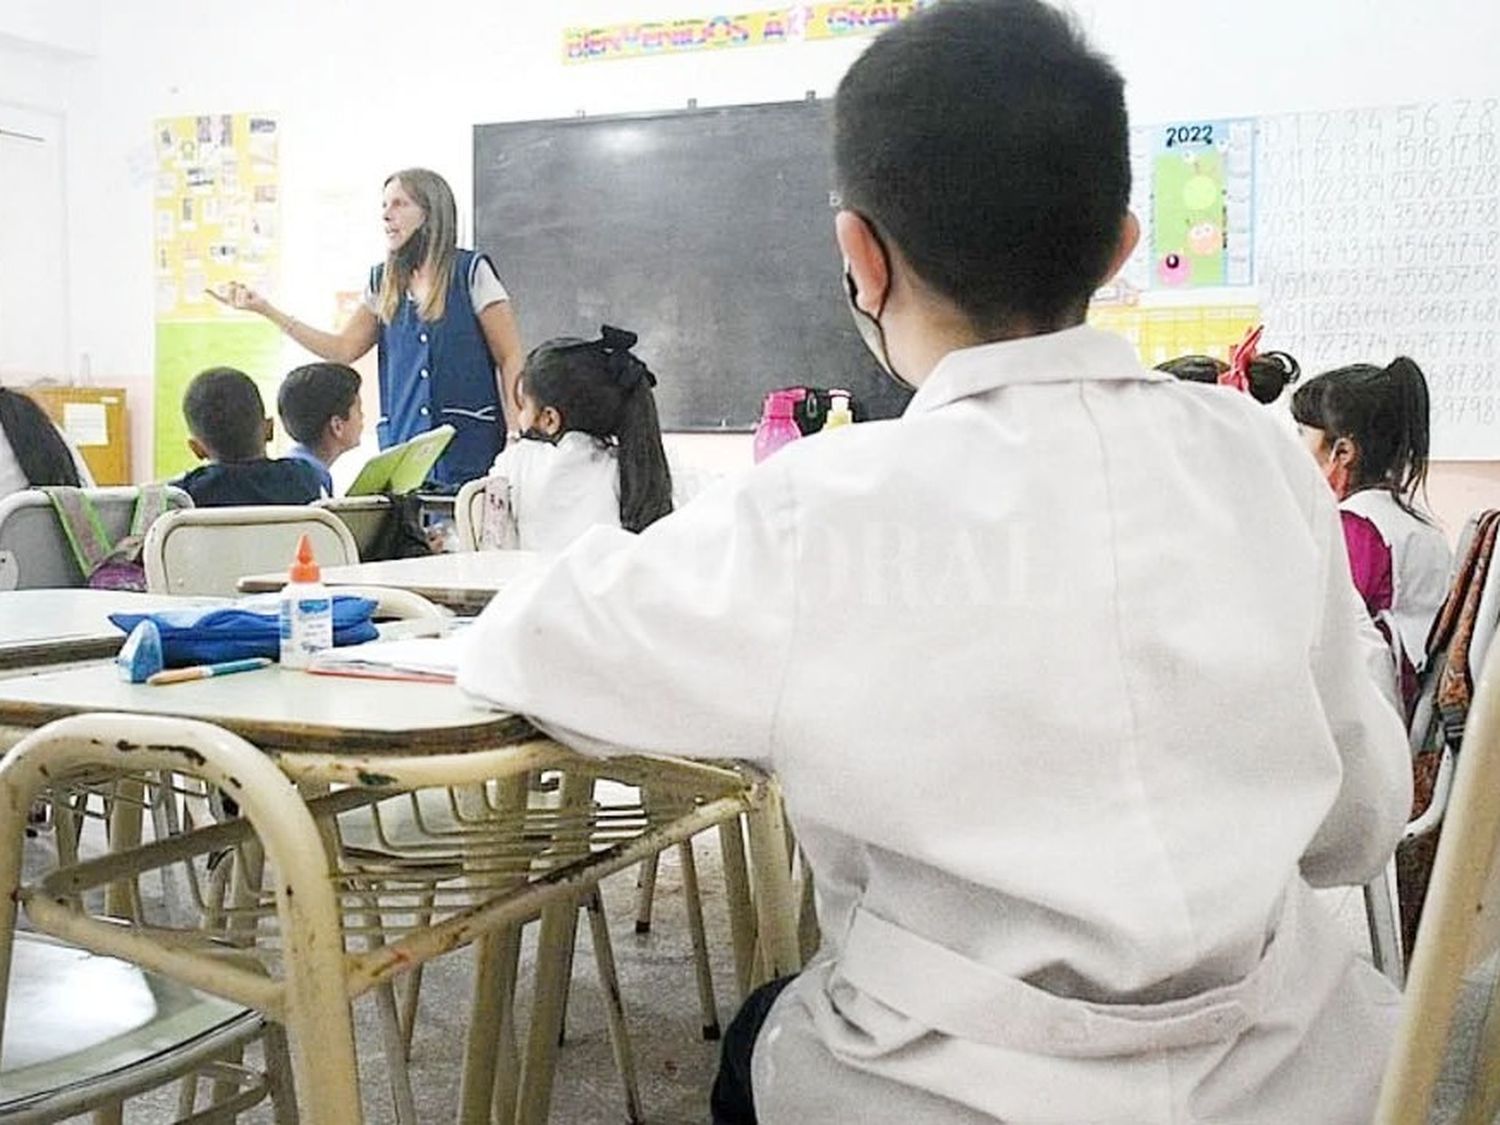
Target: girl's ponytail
[599, 387]
[1408, 473]
[1383, 412]
[645, 478]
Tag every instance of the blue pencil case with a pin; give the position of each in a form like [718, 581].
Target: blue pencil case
[249, 627]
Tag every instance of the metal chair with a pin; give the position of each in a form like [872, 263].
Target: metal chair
[1460, 932]
[208, 550]
[468, 514]
[39, 556]
[1426, 733]
[84, 1033]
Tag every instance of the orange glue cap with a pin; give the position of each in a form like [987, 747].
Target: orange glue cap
[304, 567]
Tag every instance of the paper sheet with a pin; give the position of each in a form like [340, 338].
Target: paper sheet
[86, 423]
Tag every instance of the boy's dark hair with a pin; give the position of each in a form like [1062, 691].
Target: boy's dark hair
[1269, 373]
[989, 143]
[598, 387]
[1384, 412]
[313, 394]
[44, 457]
[225, 413]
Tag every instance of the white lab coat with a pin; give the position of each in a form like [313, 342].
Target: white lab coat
[1072, 698]
[555, 491]
[1420, 565]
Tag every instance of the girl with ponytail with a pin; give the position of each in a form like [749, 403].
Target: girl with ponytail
[591, 450]
[1367, 427]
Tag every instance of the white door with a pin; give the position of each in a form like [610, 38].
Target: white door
[33, 247]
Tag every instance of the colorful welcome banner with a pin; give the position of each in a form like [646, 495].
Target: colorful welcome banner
[796, 24]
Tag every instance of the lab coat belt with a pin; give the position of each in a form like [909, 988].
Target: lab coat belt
[950, 993]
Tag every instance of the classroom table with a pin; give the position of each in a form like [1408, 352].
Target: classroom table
[61, 626]
[464, 581]
[348, 744]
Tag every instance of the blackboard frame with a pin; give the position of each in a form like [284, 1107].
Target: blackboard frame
[709, 384]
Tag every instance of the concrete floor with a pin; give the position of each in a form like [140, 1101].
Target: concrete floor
[675, 1065]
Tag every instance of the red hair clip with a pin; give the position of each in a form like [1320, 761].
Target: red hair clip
[1241, 356]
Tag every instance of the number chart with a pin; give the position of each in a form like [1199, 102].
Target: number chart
[1379, 235]
[1359, 234]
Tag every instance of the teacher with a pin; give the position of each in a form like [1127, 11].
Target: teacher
[449, 349]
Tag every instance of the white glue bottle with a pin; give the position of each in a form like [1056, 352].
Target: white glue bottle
[306, 611]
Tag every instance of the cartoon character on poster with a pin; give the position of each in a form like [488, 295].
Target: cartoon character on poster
[1191, 170]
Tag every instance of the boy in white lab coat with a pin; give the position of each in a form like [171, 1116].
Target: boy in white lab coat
[1062, 671]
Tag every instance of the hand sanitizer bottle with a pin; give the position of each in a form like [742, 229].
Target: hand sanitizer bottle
[838, 413]
[306, 611]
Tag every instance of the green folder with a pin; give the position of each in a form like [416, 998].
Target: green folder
[402, 468]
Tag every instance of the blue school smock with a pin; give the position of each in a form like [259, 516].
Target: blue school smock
[441, 373]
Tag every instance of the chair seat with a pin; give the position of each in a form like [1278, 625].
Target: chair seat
[81, 1029]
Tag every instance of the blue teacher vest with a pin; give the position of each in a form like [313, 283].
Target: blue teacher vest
[438, 373]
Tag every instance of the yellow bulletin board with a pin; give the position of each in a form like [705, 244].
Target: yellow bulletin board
[768, 27]
[1163, 332]
[217, 219]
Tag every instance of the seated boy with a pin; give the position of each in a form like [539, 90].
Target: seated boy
[319, 406]
[229, 429]
[1068, 718]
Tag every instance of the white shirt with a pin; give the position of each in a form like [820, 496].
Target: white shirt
[485, 289]
[1068, 718]
[552, 494]
[1420, 565]
[557, 492]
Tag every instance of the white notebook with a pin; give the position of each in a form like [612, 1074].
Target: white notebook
[432, 659]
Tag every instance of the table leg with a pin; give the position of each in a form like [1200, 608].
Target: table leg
[317, 1008]
[412, 994]
[775, 907]
[614, 1007]
[740, 905]
[486, 1013]
[558, 928]
[495, 957]
[122, 899]
[554, 952]
[507, 1091]
[692, 900]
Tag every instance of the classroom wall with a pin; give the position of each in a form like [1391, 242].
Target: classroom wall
[366, 86]
[57, 27]
[40, 47]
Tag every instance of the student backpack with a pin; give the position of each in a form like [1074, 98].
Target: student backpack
[106, 564]
[401, 535]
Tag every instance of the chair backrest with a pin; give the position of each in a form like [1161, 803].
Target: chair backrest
[1488, 617]
[37, 545]
[468, 514]
[208, 550]
[417, 617]
[1460, 930]
[364, 516]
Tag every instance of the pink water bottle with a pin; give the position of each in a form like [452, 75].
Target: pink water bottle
[777, 424]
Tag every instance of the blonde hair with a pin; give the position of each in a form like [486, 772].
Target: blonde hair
[431, 193]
